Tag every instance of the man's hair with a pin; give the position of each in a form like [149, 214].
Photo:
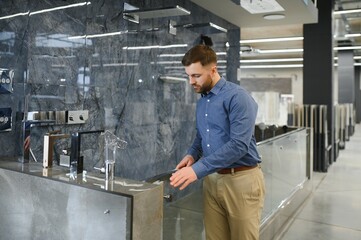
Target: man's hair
[199, 53]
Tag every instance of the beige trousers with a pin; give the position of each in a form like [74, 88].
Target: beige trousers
[233, 205]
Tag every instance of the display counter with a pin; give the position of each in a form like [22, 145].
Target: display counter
[33, 200]
[48, 203]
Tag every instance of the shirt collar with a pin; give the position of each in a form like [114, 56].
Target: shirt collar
[217, 88]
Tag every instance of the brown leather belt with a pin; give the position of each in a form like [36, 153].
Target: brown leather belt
[237, 169]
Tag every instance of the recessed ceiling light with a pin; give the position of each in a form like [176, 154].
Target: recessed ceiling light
[274, 16]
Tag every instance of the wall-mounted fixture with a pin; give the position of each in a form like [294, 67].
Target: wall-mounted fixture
[76, 117]
[136, 14]
[5, 119]
[6, 80]
[57, 117]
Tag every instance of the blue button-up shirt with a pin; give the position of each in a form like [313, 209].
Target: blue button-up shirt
[225, 120]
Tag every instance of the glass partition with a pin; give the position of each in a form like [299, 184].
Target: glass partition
[285, 160]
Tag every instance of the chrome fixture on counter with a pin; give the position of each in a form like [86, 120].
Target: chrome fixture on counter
[112, 142]
[49, 140]
[76, 161]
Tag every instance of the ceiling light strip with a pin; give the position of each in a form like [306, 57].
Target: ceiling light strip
[353, 35]
[347, 48]
[155, 46]
[261, 40]
[292, 50]
[60, 8]
[347, 11]
[171, 55]
[45, 10]
[99, 35]
[15, 15]
[272, 66]
[272, 60]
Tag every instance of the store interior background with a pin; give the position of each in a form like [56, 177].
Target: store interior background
[120, 63]
[93, 57]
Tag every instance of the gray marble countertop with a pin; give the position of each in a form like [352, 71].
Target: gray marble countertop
[92, 180]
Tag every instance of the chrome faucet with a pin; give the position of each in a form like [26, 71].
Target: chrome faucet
[76, 161]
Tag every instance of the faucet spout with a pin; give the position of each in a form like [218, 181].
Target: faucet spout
[76, 161]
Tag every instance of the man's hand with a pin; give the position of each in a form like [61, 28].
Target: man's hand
[187, 161]
[185, 174]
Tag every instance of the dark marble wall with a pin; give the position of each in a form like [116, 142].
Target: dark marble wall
[57, 68]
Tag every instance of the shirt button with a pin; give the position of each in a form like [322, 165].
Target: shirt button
[208, 145]
[206, 114]
[207, 130]
[208, 100]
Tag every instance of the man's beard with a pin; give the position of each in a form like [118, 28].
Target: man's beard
[205, 90]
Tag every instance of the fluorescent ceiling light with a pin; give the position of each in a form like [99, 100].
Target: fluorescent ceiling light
[115, 64]
[60, 8]
[165, 62]
[272, 60]
[347, 48]
[156, 46]
[355, 58]
[45, 10]
[272, 66]
[282, 39]
[171, 55]
[347, 11]
[99, 35]
[353, 35]
[292, 50]
[172, 79]
[15, 15]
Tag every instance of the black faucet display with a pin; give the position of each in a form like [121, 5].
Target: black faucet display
[76, 161]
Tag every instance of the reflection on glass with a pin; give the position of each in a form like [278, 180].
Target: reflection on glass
[112, 142]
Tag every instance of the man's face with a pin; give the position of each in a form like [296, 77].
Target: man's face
[200, 77]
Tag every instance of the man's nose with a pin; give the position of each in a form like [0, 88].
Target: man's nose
[191, 80]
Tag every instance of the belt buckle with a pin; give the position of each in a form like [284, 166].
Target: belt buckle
[232, 171]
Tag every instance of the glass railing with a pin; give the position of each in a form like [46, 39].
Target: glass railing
[285, 164]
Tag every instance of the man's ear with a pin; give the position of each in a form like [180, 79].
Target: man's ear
[214, 69]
